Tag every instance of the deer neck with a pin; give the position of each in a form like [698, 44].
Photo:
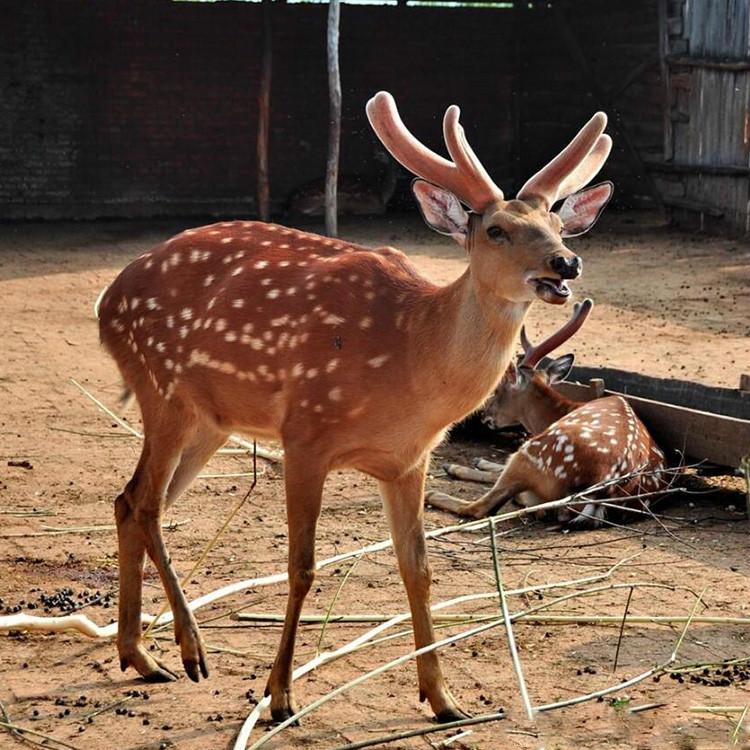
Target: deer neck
[465, 338]
[543, 406]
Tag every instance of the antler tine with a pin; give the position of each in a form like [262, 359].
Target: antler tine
[468, 181]
[535, 353]
[549, 181]
[479, 183]
[588, 168]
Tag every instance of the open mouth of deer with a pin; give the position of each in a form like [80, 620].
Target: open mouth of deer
[548, 289]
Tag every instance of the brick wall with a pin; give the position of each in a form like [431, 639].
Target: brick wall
[122, 108]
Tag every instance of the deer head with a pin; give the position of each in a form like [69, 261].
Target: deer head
[516, 249]
[524, 395]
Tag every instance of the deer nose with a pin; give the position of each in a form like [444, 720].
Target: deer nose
[567, 268]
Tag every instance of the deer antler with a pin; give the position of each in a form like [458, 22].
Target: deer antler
[575, 166]
[464, 176]
[533, 354]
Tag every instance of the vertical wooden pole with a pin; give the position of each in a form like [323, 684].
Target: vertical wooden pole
[264, 114]
[664, 68]
[334, 133]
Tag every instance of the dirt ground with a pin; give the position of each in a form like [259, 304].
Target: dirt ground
[668, 303]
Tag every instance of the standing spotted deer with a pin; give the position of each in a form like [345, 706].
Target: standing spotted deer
[574, 445]
[330, 347]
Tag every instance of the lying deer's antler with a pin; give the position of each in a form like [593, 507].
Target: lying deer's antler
[533, 354]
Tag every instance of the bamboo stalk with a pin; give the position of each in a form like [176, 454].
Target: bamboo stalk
[509, 630]
[385, 739]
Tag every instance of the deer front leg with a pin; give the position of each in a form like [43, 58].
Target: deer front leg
[486, 505]
[304, 491]
[403, 503]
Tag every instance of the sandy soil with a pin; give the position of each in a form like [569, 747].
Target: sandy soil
[667, 304]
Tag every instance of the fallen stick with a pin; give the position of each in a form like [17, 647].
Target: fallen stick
[385, 739]
[457, 471]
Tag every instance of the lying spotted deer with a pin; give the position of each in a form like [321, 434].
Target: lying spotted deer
[574, 445]
[329, 346]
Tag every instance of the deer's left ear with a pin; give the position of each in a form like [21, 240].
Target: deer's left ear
[580, 211]
[558, 369]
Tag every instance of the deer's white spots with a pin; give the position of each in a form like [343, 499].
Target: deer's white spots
[197, 323]
[312, 373]
[333, 320]
[570, 448]
[237, 271]
[273, 293]
[220, 325]
[260, 264]
[301, 263]
[560, 472]
[150, 341]
[291, 291]
[169, 364]
[160, 347]
[378, 361]
[134, 347]
[186, 313]
[148, 264]
[365, 323]
[209, 280]
[310, 285]
[184, 330]
[370, 295]
[284, 263]
[152, 304]
[612, 441]
[266, 282]
[214, 232]
[267, 335]
[265, 243]
[298, 370]
[332, 365]
[134, 302]
[207, 323]
[237, 303]
[230, 336]
[317, 408]
[225, 240]
[304, 403]
[568, 458]
[247, 328]
[226, 260]
[164, 266]
[276, 322]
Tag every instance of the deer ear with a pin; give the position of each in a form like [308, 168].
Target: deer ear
[580, 211]
[441, 210]
[558, 369]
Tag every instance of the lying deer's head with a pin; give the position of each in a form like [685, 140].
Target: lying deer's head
[523, 396]
[516, 249]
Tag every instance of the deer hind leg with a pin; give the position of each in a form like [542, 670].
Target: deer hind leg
[173, 453]
[304, 491]
[402, 499]
[508, 485]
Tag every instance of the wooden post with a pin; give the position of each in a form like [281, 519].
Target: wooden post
[264, 114]
[666, 88]
[334, 133]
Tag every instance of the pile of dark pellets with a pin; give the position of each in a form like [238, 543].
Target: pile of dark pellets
[62, 600]
[715, 677]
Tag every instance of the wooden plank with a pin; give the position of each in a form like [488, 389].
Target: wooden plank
[698, 435]
[733, 170]
[729, 402]
[664, 68]
[681, 61]
[334, 133]
[694, 205]
[264, 114]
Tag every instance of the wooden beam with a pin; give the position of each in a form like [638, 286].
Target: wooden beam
[264, 114]
[731, 402]
[334, 133]
[682, 61]
[698, 435]
[632, 76]
[732, 170]
[693, 205]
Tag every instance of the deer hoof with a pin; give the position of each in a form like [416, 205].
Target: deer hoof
[150, 668]
[453, 713]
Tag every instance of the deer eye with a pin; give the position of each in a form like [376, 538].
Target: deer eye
[498, 234]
